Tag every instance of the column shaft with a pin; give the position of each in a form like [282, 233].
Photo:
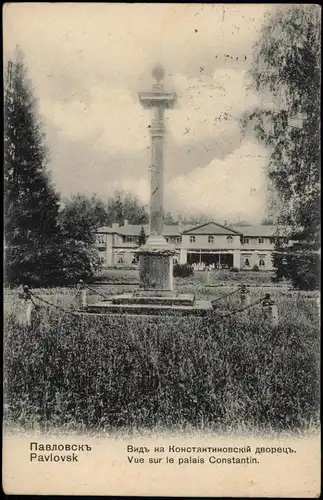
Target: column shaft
[157, 171]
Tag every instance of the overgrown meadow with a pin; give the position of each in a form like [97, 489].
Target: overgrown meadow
[106, 373]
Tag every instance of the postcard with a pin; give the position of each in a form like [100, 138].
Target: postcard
[162, 249]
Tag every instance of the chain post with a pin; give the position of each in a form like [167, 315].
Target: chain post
[83, 295]
[271, 310]
[29, 305]
[244, 296]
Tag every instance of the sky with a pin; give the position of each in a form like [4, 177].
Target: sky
[87, 63]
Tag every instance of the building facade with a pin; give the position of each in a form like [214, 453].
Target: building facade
[207, 245]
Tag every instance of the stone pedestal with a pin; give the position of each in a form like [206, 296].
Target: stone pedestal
[156, 271]
[156, 264]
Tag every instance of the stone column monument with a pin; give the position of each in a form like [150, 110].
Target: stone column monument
[155, 295]
[156, 257]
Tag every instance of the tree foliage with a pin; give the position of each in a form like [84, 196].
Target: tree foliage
[125, 206]
[142, 236]
[286, 64]
[30, 202]
[194, 219]
[182, 270]
[81, 216]
[42, 245]
[168, 218]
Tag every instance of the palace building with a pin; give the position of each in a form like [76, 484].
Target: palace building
[210, 244]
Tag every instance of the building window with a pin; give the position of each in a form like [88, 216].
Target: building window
[128, 239]
[100, 239]
[261, 263]
[167, 239]
[192, 239]
[178, 240]
[120, 259]
[260, 240]
[246, 262]
[245, 240]
[272, 241]
[101, 257]
[210, 239]
[229, 239]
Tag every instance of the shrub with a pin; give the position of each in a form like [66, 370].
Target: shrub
[234, 270]
[304, 271]
[255, 268]
[183, 270]
[299, 264]
[279, 263]
[51, 265]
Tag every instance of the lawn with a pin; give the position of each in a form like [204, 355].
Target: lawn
[107, 373]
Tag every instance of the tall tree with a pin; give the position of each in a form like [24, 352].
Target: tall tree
[124, 206]
[44, 244]
[30, 202]
[188, 218]
[80, 216]
[168, 218]
[142, 236]
[286, 64]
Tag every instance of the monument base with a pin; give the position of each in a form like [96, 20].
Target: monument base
[156, 270]
[151, 302]
[156, 264]
[155, 306]
[138, 298]
[156, 295]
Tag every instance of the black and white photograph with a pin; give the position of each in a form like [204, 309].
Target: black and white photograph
[162, 249]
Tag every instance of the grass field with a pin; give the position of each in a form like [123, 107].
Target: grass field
[109, 373]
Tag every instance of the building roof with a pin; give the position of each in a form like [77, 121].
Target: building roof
[262, 231]
[213, 228]
[132, 229]
[105, 229]
[135, 229]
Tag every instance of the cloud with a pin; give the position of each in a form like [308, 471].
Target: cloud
[226, 188]
[231, 188]
[209, 107]
[88, 62]
[110, 120]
